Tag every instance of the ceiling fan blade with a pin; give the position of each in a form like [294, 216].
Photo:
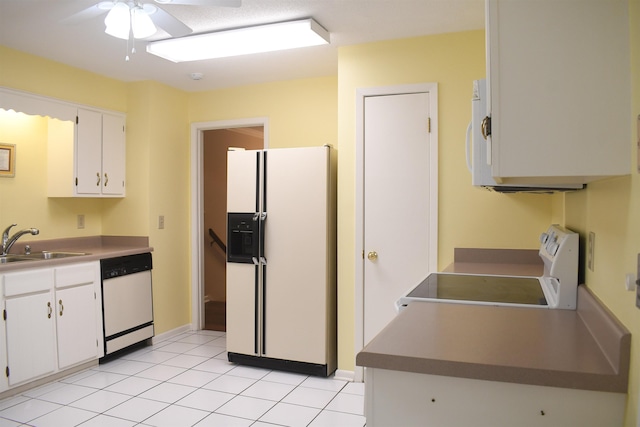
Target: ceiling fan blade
[220, 3]
[170, 24]
[83, 15]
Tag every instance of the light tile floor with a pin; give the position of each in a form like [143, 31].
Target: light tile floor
[186, 381]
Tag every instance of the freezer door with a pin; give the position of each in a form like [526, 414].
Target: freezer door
[243, 169]
[242, 309]
[296, 252]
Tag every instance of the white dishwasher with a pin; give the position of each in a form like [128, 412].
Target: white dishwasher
[127, 301]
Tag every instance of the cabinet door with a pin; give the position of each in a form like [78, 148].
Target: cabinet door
[89, 152]
[30, 337]
[4, 383]
[76, 324]
[113, 155]
[558, 76]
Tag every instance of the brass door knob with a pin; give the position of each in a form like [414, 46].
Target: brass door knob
[373, 255]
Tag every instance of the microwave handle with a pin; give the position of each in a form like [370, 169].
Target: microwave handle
[468, 146]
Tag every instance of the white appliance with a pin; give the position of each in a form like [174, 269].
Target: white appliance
[556, 289]
[479, 152]
[127, 301]
[281, 259]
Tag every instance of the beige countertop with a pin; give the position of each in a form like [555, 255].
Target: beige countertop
[95, 247]
[586, 348]
[520, 262]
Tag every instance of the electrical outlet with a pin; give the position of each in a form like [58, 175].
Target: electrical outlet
[591, 243]
[80, 221]
[161, 222]
[638, 287]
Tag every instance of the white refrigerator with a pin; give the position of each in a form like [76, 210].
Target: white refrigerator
[281, 259]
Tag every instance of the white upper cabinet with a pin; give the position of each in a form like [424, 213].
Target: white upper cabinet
[100, 154]
[113, 155]
[93, 163]
[85, 149]
[559, 90]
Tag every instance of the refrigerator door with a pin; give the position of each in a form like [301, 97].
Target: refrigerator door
[243, 292]
[296, 279]
[242, 181]
[243, 310]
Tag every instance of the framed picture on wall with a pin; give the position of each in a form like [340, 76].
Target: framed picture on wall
[7, 160]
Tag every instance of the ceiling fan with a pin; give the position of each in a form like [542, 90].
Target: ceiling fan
[140, 19]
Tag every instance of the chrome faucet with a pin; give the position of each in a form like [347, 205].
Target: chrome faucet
[7, 241]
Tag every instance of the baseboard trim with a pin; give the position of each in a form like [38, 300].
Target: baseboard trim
[172, 333]
[341, 374]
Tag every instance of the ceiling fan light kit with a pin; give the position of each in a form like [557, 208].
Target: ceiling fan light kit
[263, 38]
[125, 18]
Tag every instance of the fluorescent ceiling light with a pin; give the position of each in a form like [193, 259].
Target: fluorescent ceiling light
[243, 41]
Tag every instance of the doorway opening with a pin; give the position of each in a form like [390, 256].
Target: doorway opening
[210, 142]
[216, 143]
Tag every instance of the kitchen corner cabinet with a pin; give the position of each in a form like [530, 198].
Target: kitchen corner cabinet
[51, 320]
[559, 85]
[92, 164]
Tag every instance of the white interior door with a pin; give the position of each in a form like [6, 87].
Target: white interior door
[396, 237]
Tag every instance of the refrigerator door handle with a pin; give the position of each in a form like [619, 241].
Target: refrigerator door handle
[255, 244]
[264, 310]
[263, 221]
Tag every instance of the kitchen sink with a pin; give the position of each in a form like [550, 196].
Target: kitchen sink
[35, 256]
[51, 255]
[4, 259]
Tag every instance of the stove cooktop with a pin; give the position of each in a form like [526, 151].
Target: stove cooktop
[488, 289]
[557, 288]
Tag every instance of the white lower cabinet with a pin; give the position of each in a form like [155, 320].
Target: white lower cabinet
[30, 325]
[76, 313]
[51, 320]
[395, 398]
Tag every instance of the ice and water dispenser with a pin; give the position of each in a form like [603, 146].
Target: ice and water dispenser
[242, 237]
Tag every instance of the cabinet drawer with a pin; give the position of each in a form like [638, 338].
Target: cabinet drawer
[28, 281]
[77, 274]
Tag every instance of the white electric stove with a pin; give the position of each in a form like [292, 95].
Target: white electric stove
[557, 288]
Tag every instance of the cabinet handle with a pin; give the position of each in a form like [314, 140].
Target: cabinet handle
[50, 310]
[485, 127]
[97, 179]
[106, 179]
[61, 307]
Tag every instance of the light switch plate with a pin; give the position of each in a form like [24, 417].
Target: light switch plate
[591, 243]
[638, 142]
[638, 287]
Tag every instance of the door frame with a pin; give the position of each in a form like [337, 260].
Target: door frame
[361, 94]
[197, 205]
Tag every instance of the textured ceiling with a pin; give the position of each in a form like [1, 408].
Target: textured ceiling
[34, 26]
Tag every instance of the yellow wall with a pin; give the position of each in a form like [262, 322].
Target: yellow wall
[467, 216]
[301, 113]
[157, 171]
[611, 209]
